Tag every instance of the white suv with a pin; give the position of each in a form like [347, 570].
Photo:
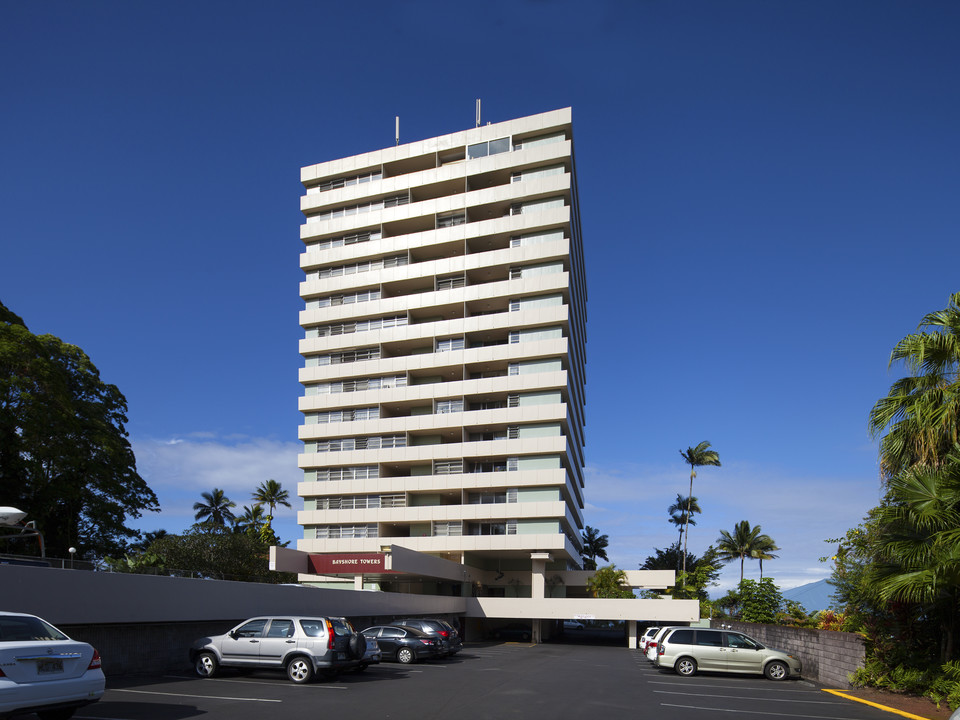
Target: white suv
[303, 646]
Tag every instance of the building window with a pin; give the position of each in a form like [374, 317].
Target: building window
[536, 206]
[537, 173]
[536, 238]
[334, 532]
[342, 240]
[362, 267]
[451, 219]
[348, 299]
[449, 283]
[387, 202]
[347, 356]
[493, 527]
[540, 140]
[449, 406]
[341, 182]
[355, 472]
[447, 467]
[450, 528]
[449, 344]
[492, 147]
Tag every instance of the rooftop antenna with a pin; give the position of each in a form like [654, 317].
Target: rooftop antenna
[478, 112]
[397, 131]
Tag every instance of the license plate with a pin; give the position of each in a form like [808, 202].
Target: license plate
[341, 656]
[45, 667]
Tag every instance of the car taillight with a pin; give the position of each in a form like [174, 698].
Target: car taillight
[331, 638]
[94, 661]
[443, 632]
[426, 642]
[660, 649]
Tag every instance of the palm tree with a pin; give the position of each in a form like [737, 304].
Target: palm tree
[740, 544]
[695, 457]
[921, 413]
[216, 509]
[681, 514]
[252, 517]
[594, 546]
[763, 550]
[271, 494]
[918, 542]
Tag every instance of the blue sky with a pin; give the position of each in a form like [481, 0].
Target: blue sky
[768, 193]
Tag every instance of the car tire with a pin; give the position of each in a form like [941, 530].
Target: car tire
[59, 714]
[686, 666]
[776, 670]
[300, 669]
[406, 656]
[358, 646]
[206, 664]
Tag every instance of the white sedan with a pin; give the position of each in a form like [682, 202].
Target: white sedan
[44, 671]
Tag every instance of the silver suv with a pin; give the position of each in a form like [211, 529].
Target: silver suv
[688, 650]
[303, 646]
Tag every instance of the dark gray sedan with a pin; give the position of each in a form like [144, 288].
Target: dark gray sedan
[404, 644]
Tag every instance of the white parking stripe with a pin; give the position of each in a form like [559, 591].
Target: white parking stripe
[755, 712]
[203, 697]
[318, 686]
[743, 697]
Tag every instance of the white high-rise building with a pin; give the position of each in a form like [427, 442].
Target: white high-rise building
[444, 349]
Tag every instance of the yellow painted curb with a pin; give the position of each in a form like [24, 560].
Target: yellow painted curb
[876, 705]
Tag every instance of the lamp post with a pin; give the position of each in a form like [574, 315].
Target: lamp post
[72, 551]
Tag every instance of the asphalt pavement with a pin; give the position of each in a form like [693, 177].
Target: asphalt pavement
[485, 681]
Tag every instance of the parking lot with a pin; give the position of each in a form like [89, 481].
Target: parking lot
[489, 680]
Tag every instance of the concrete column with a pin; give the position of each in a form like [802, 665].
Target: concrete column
[358, 582]
[632, 634]
[537, 582]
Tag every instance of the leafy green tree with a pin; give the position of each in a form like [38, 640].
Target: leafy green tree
[921, 413]
[760, 601]
[64, 455]
[739, 544]
[699, 456]
[271, 494]
[668, 559]
[608, 582]
[216, 510]
[148, 540]
[214, 551]
[594, 546]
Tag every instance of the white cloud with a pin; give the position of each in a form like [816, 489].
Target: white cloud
[178, 470]
[629, 504]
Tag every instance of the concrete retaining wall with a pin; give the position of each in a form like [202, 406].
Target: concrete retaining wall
[146, 624]
[828, 657]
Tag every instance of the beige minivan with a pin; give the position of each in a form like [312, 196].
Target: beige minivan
[688, 650]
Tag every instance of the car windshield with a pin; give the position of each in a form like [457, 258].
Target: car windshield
[20, 628]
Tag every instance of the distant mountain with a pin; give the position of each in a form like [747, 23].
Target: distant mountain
[812, 596]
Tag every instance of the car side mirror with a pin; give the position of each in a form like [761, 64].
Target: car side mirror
[233, 634]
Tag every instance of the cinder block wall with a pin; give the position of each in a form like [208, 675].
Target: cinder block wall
[828, 657]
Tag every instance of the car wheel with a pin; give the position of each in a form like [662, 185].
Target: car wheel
[61, 714]
[206, 664]
[406, 656]
[300, 670]
[776, 670]
[686, 667]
